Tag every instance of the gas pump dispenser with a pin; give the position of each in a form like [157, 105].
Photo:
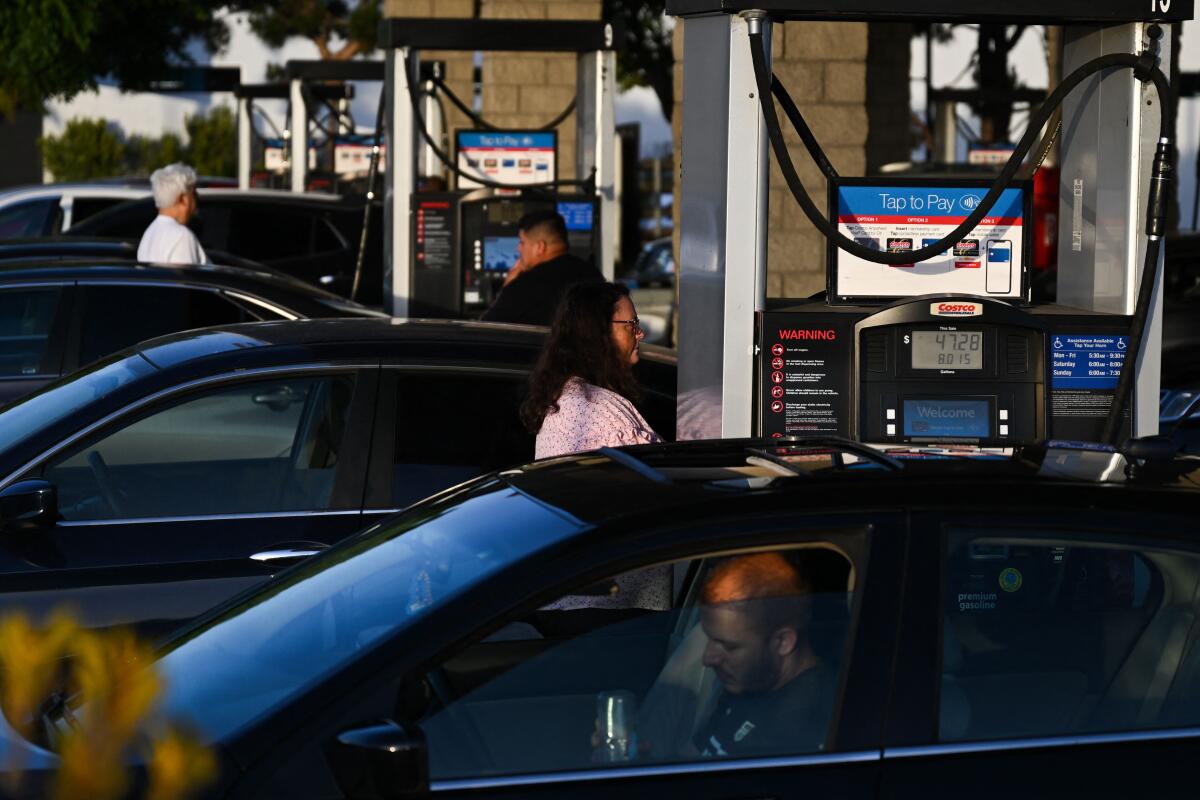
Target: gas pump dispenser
[446, 252]
[926, 334]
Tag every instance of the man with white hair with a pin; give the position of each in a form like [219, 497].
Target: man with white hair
[168, 240]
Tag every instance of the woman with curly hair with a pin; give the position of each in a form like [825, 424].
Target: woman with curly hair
[583, 389]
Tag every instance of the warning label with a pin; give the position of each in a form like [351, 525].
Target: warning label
[806, 377]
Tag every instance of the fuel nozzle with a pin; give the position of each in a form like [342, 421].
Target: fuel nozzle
[1161, 176]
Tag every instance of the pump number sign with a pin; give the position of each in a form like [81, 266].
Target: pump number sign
[906, 215]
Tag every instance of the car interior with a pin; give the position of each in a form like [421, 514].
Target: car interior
[259, 446]
[524, 699]
[1054, 636]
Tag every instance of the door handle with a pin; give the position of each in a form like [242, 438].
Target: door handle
[283, 554]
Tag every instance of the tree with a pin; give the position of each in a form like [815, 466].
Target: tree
[144, 154]
[339, 30]
[645, 57]
[212, 142]
[86, 149]
[58, 48]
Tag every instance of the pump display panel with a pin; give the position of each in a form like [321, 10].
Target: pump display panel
[500, 253]
[902, 215]
[516, 158]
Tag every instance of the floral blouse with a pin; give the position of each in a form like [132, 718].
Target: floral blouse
[589, 417]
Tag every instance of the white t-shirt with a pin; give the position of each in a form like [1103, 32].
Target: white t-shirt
[168, 242]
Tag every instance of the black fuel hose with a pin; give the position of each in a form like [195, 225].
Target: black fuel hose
[483, 123]
[588, 184]
[372, 171]
[1143, 67]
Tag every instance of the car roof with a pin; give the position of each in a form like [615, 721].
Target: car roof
[831, 471]
[76, 268]
[131, 191]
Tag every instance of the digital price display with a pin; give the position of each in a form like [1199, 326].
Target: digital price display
[947, 350]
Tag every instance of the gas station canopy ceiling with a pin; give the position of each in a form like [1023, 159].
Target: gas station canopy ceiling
[1048, 12]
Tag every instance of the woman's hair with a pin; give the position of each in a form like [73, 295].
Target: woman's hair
[580, 344]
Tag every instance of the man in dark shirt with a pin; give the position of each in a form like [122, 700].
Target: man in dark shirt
[776, 694]
[544, 272]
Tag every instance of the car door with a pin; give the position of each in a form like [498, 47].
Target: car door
[1048, 654]
[514, 707]
[174, 506]
[33, 327]
[440, 426]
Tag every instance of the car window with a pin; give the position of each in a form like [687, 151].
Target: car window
[127, 220]
[746, 665]
[30, 218]
[259, 446]
[1054, 634]
[84, 207]
[450, 428]
[268, 234]
[26, 322]
[108, 324]
[326, 238]
[259, 655]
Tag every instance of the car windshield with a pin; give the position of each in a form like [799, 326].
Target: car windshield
[287, 637]
[63, 398]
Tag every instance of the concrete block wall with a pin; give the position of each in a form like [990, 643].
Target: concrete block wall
[519, 89]
[529, 89]
[460, 66]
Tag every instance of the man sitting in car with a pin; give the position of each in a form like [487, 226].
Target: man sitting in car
[774, 694]
[775, 691]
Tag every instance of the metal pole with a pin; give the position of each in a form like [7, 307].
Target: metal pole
[399, 181]
[299, 128]
[723, 227]
[244, 140]
[656, 190]
[595, 119]
[1110, 131]
[429, 165]
[945, 133]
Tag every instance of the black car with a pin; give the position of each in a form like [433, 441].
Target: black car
[57, 315]
[971, 624]
[77, 247]
[166, 478]
[314, 237]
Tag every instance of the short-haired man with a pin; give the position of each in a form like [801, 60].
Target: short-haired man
[776, 694]
[168, 240]
[543, 273]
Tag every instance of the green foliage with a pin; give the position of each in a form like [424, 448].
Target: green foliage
[645, 57]
[143, 154]
[319, 21]
[212, 142]
[86, 149]
[95, 148]
[58, 48]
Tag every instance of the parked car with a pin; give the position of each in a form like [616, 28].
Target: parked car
[312, 236]
[57, 315]
[183, 470]
[973, 618]
[50, 209]
[655, 266]
[78, 248]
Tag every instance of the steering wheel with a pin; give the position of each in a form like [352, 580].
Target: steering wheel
[105, 483]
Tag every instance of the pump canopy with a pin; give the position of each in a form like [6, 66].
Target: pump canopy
[1031, 12]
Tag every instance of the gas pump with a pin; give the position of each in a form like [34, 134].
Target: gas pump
[927, 334]
[447, 251]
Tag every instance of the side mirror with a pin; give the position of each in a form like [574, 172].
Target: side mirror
[381, 761]
[28, 506]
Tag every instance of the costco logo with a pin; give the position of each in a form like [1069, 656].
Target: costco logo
[955, 309]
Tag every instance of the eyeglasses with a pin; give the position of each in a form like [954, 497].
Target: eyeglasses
[634, 324]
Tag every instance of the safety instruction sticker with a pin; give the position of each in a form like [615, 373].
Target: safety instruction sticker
[898, 219]
[1086, 361]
